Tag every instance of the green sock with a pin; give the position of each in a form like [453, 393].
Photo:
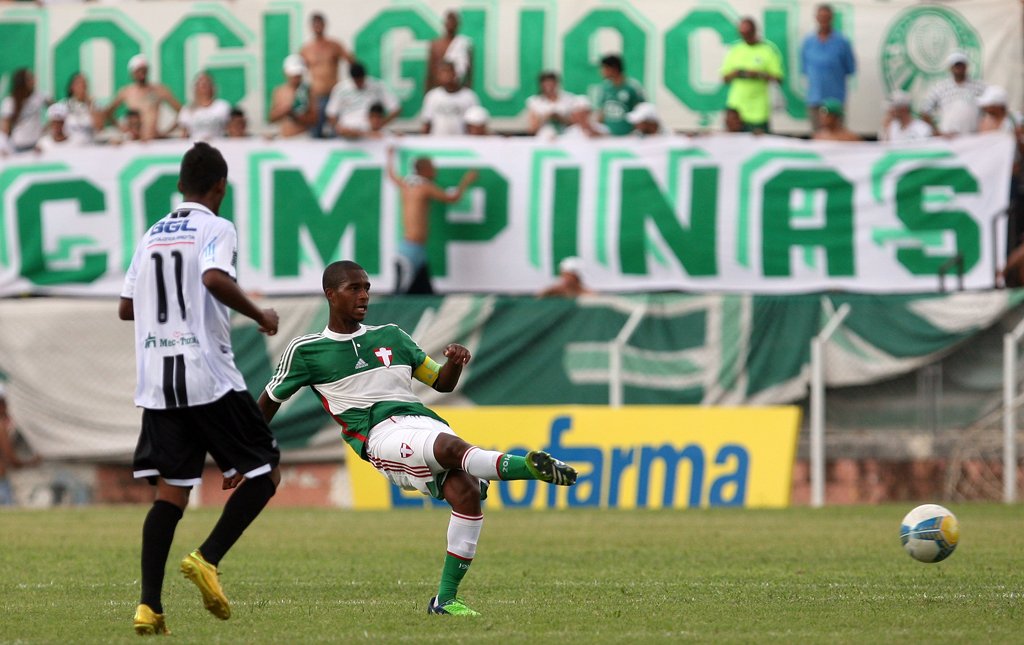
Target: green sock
[513, 467]
[451, 575]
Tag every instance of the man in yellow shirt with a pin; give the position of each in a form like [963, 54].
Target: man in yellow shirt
[749, 68]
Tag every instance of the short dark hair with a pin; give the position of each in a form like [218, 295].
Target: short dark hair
[201, 168]
[336, 272]
[236, 111]
[357, 70]
[316, 15]
[130, 113]
[614, 61]
[377, 108]
[548, 75]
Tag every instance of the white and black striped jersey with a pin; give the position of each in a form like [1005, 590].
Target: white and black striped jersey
[182, 333]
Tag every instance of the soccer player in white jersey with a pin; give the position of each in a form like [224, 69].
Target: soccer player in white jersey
[363, 374]
[178, 290]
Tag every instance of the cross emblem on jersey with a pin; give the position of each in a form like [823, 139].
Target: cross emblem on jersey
[384, 354]
[405, 451]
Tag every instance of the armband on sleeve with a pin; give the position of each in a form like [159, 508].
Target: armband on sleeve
[427, 371]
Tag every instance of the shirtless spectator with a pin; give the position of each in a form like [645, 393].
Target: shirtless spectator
[830, 123]
[418, 192]
[322, 56]
[289, 104]
[453, 48]
[143, 97]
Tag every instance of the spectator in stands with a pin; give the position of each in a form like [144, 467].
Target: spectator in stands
[732, 120]
[451, 47]
[347, 109]
[131, 127]
[995, 117]
[618, 96]
[570, 281]
[9, 457]
[750, 67]
[550, 110]
[21, 113]
[645, 121]
[83, 120]
[55, 137]
[143, 97]
[831, 126]
[826, 59]
[378, 126]
[583, 124]
[238, 125]
[900, 124]
[477, 118]
[290, 104]
[206, 117]
[322, 55]
[951, 105]
[444, 107]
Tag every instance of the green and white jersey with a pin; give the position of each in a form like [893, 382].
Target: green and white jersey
[361, 378]
[616, 101]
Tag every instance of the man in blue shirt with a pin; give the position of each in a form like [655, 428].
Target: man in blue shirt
[826, 58]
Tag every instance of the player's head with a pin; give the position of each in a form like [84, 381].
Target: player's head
[347, 289]
[424, 167]
[748, 30]
[204, 176]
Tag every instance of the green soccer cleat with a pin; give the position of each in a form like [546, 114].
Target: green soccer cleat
[548, 469]
[204, 575]
[453, 607]
[148, 622]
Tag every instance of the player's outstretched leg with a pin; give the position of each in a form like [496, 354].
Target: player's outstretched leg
[452, 452]
[241, 509]
[462, 491]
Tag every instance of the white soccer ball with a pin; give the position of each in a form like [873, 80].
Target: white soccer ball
[929, 533]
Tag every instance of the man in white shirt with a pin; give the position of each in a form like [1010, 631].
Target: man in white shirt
[549, 110]
[900, 124]
[444, 107]
[347, 109]
[950, 106]
[179, 290]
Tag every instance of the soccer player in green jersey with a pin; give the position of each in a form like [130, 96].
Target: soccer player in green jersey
[363, 375]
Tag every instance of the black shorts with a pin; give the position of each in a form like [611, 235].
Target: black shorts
[173, 443]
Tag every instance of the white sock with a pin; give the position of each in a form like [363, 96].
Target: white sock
[481, 463]
[463, 534]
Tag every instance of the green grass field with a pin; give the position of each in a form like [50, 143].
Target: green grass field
[299, 575]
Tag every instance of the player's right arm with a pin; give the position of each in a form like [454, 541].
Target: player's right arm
[224, 288]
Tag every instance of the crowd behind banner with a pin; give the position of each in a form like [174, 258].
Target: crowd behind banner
[327, 93]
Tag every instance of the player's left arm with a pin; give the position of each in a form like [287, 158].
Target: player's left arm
[449, 374]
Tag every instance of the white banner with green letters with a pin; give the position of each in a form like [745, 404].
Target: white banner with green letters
[733, 213]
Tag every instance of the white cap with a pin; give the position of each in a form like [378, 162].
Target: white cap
[137, 61]
[956, 57]
[476, 115]
[900, 98]
[992, 96]
[581, 102]
[294, 65]
[643, 112]
[571, 264]
[57, 112]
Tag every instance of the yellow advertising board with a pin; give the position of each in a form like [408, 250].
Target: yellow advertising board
[631, 457]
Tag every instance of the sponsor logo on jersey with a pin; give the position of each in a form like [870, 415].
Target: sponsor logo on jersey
[384, 354]
[172, 226]
[360, 364]
[405, 450]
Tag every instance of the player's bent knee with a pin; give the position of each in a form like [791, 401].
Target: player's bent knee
[449, 449]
